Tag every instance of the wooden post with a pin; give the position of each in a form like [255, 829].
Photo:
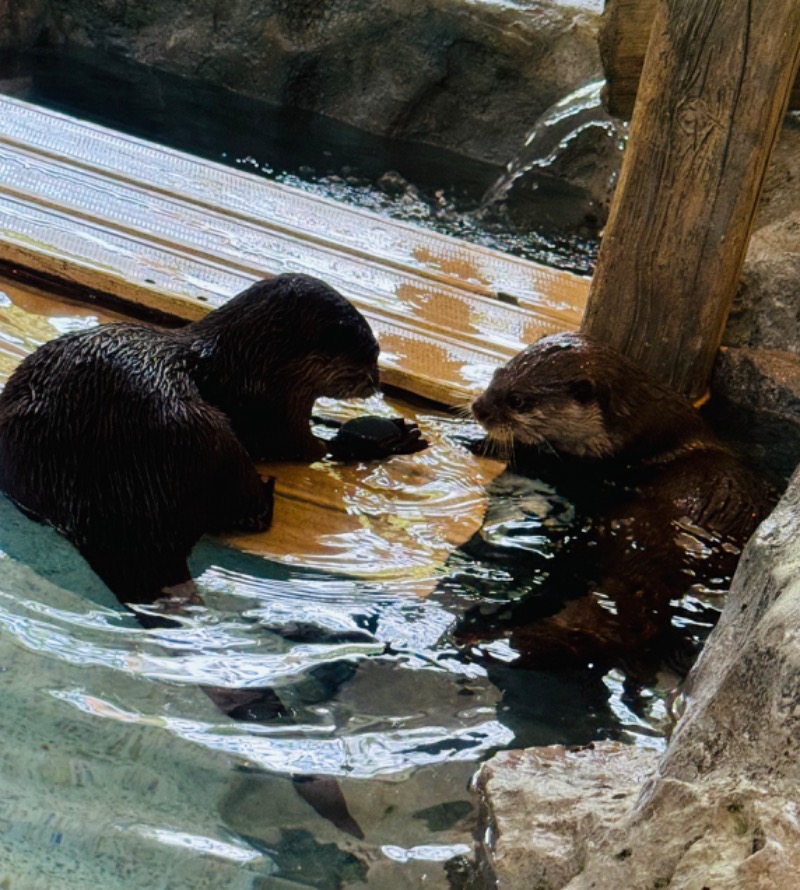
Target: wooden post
[624, 34]
[713, 93]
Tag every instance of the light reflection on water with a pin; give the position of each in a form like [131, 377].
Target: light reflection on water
[372, 691]
[134, 776]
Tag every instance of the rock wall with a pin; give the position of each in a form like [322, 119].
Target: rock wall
[21, 23]
[766, 311]
[469, 75]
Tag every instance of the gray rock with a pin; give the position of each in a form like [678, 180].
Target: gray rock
[542, 806]
[470, 76]
[766, 311]
[781, 192]
[720, 808]
[756, 402]
[20, 23]
[756, 384]
[763, 377]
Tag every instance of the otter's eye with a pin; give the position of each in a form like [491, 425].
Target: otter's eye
[516, 402]
[582, 390]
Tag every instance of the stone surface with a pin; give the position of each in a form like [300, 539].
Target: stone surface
[542, 805]
[21, 22]
[781, 192]
[766, 310]
[756, 402]
[766, 377]
[756, 384]
[720, 810]
[470, 75]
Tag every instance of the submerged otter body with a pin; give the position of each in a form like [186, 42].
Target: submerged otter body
[662, 503]
[133, 442]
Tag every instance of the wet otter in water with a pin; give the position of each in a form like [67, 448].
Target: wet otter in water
[133, 442]
[662, 503]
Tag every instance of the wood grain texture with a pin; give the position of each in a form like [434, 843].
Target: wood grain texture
[158, 228]
[714, 90]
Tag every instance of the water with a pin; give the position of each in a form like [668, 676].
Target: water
[350, 766]
[119, 771]
[305, 728]
[427, 186]
[576, 138]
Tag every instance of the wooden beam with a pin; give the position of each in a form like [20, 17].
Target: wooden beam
[624, 33]
[714, 90]
[177, 234]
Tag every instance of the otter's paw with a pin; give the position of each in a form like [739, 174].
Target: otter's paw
[260, 521]
[370, 438]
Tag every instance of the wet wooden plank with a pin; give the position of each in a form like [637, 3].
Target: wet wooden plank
[175, 233]
[112, 155]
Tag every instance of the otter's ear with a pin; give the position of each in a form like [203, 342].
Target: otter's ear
[582, 390]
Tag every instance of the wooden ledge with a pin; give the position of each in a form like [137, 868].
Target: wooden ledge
[159, 228]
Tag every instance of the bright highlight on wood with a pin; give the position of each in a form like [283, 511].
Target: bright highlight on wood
[160, 228]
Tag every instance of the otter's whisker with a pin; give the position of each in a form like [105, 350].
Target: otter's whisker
[549, 448]
[502, 439]
[464, 411]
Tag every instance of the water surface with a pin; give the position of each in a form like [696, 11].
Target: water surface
[360, 723]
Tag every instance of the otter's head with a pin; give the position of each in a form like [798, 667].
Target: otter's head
[567, 393]
[289, 338]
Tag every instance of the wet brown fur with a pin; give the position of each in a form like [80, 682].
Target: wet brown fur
[133, 441]
[664, 503]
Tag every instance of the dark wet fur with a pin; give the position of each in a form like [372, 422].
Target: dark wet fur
[133, 442]
[662, 503]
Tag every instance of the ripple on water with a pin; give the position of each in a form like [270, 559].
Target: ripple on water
[360, 680]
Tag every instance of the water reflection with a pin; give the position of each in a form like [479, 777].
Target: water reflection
[368, 689]
[317, 721]
[549, 593]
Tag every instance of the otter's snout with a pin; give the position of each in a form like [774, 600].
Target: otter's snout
[480, 409]
[351, 383]
[369, 384]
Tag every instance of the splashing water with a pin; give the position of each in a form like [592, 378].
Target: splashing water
[576, 139]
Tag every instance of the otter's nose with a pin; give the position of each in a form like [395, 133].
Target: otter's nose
[479, 409]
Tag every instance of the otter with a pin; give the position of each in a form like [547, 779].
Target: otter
[662, 503]
[134, 441]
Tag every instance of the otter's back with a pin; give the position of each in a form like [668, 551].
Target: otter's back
[84, 414]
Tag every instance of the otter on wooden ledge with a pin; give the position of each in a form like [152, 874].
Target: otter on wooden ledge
[133, 442]
[662, 503]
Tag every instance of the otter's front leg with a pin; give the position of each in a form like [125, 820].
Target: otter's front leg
[257, 514]
[291, 440]
[241, 499]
